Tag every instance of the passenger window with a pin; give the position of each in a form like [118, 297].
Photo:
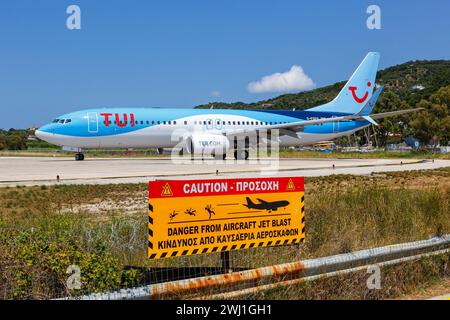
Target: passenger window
[159, 122]
[153, 122]
[147, 122]
[185, 122]
[174, 122]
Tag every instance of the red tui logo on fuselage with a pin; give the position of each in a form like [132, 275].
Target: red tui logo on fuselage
[118, 121]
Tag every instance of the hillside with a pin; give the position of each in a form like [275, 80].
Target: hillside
[410, 81]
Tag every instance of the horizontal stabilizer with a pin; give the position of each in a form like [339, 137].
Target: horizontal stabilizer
[367, 118]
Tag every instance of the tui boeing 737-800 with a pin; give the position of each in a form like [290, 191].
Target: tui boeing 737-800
[210, 130]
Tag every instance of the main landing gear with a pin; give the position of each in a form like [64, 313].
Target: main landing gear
[79, 156]
[241, 154]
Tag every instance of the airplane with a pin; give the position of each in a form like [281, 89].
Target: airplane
[215, 131]
[264, 205]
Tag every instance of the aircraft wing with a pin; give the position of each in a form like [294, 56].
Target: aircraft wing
[292, 127]
[262, 201]
[393, 113]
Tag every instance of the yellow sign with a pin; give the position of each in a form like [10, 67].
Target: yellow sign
[189, 217]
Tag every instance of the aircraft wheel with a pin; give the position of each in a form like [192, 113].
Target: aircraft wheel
[79, 157]
[241, 155]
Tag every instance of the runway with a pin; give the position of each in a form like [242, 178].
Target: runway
[27, 171]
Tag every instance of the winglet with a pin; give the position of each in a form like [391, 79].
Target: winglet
[367, 109]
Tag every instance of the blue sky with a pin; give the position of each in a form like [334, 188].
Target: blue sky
[184, 53]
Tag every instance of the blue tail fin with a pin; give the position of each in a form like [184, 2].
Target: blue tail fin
[358, 89]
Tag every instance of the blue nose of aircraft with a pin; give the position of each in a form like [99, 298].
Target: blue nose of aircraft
[45, 132]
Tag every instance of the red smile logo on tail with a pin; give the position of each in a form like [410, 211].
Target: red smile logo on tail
[358, 99]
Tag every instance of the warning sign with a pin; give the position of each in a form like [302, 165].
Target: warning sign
[166, 191]
[189, 217]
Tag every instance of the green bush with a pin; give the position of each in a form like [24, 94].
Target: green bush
[35, 259]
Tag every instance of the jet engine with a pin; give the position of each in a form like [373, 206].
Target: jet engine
[208, 144]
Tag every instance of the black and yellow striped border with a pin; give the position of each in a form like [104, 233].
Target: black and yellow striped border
[213, 249]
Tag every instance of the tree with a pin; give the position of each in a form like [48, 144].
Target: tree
[389, 101]
[3, 144]
[16, 141]
[432, 125]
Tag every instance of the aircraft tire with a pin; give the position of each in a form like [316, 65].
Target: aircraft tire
[241, 154]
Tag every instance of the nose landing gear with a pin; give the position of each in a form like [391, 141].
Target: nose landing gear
[79, 156]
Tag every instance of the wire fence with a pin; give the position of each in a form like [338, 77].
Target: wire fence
[250, 270]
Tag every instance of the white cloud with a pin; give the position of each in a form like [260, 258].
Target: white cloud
[293, 80]
[215, 93]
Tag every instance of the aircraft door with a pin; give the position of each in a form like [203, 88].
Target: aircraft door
[218, 124]
[92, 122]
[336, 126]
[209, 124]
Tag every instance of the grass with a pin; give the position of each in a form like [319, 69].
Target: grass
[284, 153]
[363, 155]
[396, 280]
[102, 228]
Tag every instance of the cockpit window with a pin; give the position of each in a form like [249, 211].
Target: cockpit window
[68, 120]
[61, 121]
[56, 120]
